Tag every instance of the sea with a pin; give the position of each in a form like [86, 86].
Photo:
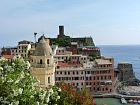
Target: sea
[124, 53]
[121, 53]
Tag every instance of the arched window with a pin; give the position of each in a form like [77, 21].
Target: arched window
[41, 61]
[48, 79]
[48, 61]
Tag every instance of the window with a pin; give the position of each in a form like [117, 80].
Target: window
[89, 78]
[73, 72]
[98, 83]
[90, 83]
[77, 72]
[109, 77]
[77, 84]
[48, 79]
[41, 61]
[48, 61]
[105, 77]
[101, 77]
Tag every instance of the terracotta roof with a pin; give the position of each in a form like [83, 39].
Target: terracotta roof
[8, 56]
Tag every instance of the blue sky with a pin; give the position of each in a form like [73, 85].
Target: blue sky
[107, 21]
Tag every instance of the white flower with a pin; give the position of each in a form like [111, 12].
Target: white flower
[17, 81]
[59, 90]
[37, 103]
[3, 79]
[20, 90]
[49, 95]
[51, 91]
[17, 103]
[28, 64]
[31, 96]
[1, 68]
[42, 97]
[10, 80]
[2, 59]
[13, 64]
[58, 97]
[22, 75]
[47, 99]
[15, 93]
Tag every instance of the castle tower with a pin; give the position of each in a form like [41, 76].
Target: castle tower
[61, 32]
[43, 66]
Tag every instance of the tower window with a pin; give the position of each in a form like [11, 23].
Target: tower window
[41, 61]
[48, 79]
[48, 61]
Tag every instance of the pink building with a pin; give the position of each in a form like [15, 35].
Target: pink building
[73, 75]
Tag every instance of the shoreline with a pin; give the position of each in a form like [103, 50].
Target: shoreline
[118, 96]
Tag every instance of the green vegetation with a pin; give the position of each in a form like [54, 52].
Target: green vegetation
[61, 42]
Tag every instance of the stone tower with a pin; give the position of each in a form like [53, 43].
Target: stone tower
[61, 32]
[43, 66]
[125, 71]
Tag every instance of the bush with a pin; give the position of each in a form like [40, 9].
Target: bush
[18, 86]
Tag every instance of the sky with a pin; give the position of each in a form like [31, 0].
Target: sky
[108, 22]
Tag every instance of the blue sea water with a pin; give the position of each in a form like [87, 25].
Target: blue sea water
[124, 53]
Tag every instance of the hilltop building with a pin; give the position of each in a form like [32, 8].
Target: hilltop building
[64, 40]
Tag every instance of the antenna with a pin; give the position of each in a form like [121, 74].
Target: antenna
[35, 37]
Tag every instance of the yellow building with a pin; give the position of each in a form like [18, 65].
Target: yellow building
[43, 66]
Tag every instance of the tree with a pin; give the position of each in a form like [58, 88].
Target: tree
[18, 86]
[69, 96]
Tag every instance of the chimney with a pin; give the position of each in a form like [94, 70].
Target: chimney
[61, 30]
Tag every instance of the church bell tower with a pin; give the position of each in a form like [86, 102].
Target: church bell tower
[43, 66]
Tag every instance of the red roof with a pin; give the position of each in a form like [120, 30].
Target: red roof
[8, 56]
